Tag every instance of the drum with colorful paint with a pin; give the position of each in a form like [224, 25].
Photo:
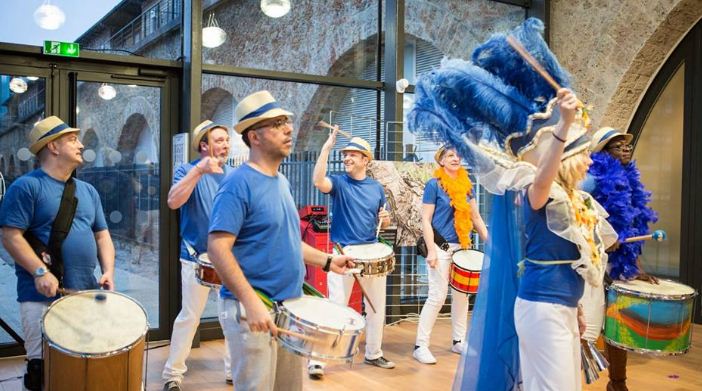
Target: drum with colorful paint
[649, 318]
[465, 270]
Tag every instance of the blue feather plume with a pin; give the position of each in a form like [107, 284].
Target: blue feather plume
[497, 57]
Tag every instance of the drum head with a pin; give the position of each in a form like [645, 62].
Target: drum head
[79, 324]
[368, 251]
[469, 259]
[324, 312]
[665, 289]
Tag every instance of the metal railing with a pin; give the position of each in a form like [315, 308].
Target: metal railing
[149, 25]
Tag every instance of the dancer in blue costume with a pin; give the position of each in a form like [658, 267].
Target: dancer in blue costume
[615, 182]
[523, 141]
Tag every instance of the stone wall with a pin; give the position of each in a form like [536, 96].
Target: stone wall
[614, 49]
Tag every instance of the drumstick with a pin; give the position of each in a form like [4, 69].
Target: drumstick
[657, 235]
[342, 132]
[358, 280]
[66, 291]
[290, 333]
[380, 222]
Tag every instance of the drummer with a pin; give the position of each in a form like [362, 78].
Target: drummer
[194, 187]
[27, 216]
[629, 215]
[358, 204]
[255, 244]
[450, 210]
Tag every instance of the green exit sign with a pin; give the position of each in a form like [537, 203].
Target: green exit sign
[57, 48]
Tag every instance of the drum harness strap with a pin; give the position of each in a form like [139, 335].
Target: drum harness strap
[520, 265]
[63, 221]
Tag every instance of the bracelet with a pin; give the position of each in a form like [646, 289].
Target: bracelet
[558, 138]
[327, 265]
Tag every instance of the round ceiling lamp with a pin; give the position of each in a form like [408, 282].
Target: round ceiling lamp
[212, 34]
[107, 92]
[49, 16]
[32, 78]
[18, 85]
[275, 8]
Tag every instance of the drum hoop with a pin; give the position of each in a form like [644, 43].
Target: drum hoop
[647, 295]
[654, 352]
[205, 264]
[293, 349]
[326, 329]
[73, 353]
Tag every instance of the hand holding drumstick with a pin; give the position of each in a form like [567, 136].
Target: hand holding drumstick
[358, 280]
[335, 128]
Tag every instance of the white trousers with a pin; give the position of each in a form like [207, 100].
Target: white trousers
[31, 313]
[340, 287]
[438, 289]
[193, 304]
[593, 302]
[549, 346]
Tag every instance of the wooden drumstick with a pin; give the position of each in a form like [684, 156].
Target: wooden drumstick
[657, 235]
[291, 333]
[66, 291]
[380, 222]
[342, 132]
[358, 280]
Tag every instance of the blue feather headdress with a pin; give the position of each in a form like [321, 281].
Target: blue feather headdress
[498, 102]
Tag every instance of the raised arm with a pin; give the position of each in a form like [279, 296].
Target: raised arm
[182, 189]
[548, 164]
[319, 175]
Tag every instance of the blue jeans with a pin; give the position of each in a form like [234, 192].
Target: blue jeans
[258, 362]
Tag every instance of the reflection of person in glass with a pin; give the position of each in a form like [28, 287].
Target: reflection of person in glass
[27, 216]
[614, 181]
[194, 187]
[358, 205]
[449, 208]
[256, 247]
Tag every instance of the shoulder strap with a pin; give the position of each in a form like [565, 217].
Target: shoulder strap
[62, 226]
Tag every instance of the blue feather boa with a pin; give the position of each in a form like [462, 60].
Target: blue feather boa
[620, 192]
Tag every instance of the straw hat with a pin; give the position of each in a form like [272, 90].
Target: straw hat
[360, 145]
[255, 108]
[201, 130]
[47, 130]
[605, 135]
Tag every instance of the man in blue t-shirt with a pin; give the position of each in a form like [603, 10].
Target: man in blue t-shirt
[358, 204]
[255, 245]
[194, 187]
[30, 206]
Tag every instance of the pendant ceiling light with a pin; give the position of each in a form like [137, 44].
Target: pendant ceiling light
[275, 8]
[107, 92]
[49, 16]
[212, 34]
[18, 85]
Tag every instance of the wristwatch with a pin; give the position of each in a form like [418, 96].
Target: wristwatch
[40, 272]
[328, 264]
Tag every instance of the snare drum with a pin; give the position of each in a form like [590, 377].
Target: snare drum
[648, 318]
[335, 330]
[205, 272]
[373, 259]
[92, 344]
[465, 270]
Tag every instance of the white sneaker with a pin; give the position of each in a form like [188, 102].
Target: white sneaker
[315, 371]
[457, 347]
[423, 355]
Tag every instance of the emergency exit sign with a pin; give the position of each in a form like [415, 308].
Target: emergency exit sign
[57, 48]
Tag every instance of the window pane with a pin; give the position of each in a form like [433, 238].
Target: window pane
[149, 28]
[662, 135]
[121, 138]
[22, 101]
[334, 38]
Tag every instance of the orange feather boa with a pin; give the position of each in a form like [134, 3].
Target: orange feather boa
[458, 189]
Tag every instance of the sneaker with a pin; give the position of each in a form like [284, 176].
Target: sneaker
[457, 347]
[423, 355]
[380, 362]
[32, 379]
[315, 371]
[228, 379]
[172, 385]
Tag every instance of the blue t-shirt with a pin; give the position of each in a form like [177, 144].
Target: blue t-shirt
[31, 204]
[589, 184]
[259, 210]
[355, 206]
[442, 220]
[558, 284]
[195, 212]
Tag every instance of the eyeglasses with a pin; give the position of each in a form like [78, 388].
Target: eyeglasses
[622, 147]
[277, 124]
